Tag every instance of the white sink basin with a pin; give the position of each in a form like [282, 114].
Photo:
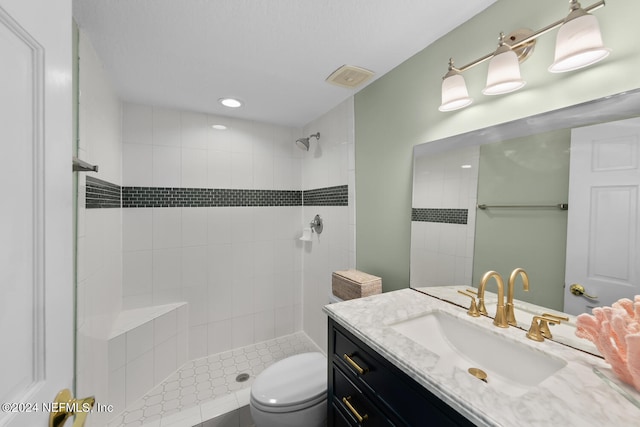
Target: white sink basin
[511, 367]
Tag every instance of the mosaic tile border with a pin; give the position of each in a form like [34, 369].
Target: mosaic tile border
[328, 196]
[447, 216]
[171, 197]
[102, 194]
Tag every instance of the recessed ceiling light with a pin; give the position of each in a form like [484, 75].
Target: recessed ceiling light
[219, 127]
[466, 166]
[230, 102]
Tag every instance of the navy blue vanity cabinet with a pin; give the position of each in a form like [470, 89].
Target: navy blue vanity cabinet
[365, 389]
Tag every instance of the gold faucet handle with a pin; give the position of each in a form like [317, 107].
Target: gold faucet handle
[544, 324]
[473, 308]
[535, 332]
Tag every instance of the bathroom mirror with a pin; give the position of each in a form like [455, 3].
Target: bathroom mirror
[523, 162]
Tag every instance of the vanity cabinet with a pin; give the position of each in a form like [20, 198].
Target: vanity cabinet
[366, 389]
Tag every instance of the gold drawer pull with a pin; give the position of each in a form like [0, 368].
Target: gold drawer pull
[354, 365]
[355, 413]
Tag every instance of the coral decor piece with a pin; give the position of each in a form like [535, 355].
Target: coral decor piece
[615, 331]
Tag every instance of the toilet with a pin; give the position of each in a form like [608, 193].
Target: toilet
[291, 393]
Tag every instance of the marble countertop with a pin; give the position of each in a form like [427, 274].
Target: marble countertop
[573, 396]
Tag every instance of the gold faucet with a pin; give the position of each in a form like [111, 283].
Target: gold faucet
[501, 319]
[473, 308]
[544, 324]
[534, 331]
[511, 316]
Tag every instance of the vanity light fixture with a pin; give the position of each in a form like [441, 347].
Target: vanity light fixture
[578, 44]
[504, 71]
[454, 90]
[230, 102]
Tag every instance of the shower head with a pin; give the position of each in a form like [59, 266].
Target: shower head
[303, 143]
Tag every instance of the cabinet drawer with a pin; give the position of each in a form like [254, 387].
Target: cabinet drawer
[395, 393]
[337, 418]
[353, 357]
[354, 405]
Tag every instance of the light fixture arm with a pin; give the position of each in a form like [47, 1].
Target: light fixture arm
[574, 6]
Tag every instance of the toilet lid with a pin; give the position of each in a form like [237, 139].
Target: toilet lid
[290, 384]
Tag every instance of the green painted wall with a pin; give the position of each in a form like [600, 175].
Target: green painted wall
[524, 171]
[400, 110]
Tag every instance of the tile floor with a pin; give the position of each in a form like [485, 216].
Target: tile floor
[206, 389]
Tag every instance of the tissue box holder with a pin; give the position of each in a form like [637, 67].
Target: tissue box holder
[350, 284]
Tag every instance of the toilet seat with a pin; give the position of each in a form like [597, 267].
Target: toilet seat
[292, 384]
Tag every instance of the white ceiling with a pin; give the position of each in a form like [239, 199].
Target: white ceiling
[272, 54]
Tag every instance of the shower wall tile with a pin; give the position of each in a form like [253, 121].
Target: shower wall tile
[219, 336]
[137, 229]
[327, 164]
[264, 325]
[194, 266]
[198, 341]
[139, 341]
[263, 172]
[194, 130]
[117, 352]
[219, 140]
[166, 127]
[167, 266]
[167, 228]
[137, 273]
[167, 166]
[243, 331]
[284, 321]
[219, 169]
[165, 360]
[194, 168]
[242, 170]
[165, 326]
[137, 124]
[99, 238]
[196, 297]
[251, 284]
[139, 377]
[137, 164]
[194, 226]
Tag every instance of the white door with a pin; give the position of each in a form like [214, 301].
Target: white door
[36, 281]
[603, 229]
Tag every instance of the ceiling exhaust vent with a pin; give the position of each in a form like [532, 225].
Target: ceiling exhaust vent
[349, 76]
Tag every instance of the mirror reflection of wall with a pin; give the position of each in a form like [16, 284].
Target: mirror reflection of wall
[454, 243]
[443, 218]
[527, 172]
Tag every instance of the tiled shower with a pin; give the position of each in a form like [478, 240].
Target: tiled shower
[210, 218]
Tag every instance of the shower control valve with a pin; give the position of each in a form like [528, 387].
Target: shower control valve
[316, 225]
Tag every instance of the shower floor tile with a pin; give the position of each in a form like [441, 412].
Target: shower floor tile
[205, 388]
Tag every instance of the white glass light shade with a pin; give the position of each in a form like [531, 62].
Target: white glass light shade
[578, 44]
[504, 73]
[454, 93]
